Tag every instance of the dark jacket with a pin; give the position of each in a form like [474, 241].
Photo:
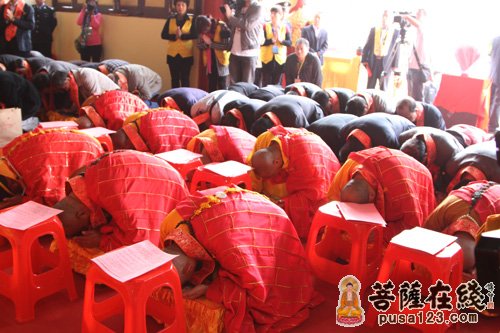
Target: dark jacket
[320, 44]
[24, 27]
[17, 92]
[247, 107]
[329, 127]
[310, 71]
[292, 111]
[45, 23]
[382, 128]
[185, 97]
[369, 56]
[267, 93]
[433, 117]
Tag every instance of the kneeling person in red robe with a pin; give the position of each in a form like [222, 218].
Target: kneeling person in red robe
[262, 276]
[121, 199]
[294, 167]
[400, 187]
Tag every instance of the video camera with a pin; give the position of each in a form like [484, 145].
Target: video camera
[398, 18]
[233, 4]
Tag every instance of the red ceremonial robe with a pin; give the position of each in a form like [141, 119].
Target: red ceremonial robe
[161, 130]
[45, 159]
[137, 189]
[224, 143]
[110, 109]
[403, 186]
[308, 169]
[263, 280]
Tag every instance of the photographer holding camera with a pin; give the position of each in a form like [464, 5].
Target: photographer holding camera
[246, 28]
[90, 39]
[418, 67]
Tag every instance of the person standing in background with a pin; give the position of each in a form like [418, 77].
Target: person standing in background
[317, 37]
[246, 29]
[273, 51]
[419, 58]
[17, 21]
[90, 20]
[45, 23]
[379, 53]
[495, 86]
[214, 43]
[180, 32]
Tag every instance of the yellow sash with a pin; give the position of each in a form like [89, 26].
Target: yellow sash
[222, 55]
[382, 43]
[266, 52]
[182, 47]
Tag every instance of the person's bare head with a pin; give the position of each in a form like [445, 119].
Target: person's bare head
[75, 217]
[357, 106]
[406, 107]
[184, 265]
[267, 162]
[301, 49]
[84, 122]
[317, 20]
[415, 147]
[120, 140]
[357, 190]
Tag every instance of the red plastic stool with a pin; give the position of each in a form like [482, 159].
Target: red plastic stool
[182, 160]
[224, 173]
[418, 247]
[102, 135]
[133, 297]
[36, 272]
[327, 254]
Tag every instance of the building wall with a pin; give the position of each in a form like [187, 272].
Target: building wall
[134, 39]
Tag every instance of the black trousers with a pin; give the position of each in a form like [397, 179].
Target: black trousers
[44, 48]
[271, 73]
[180, 68]
[378, 68]
[91, 53]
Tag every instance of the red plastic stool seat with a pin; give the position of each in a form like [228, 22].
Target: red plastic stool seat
[324, 254]
[133, 297]
[28, 270]
[406, 255]
[182, 160]
[224, 173]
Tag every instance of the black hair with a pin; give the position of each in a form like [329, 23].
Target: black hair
[202, 22]
[41, 80]
[418, 150]
[185, 1]
[261, 125]
[229, 120]
[19, 63]
[349, 284]
[322, 97]
[352, 145]
[356, 105]
[58, 78]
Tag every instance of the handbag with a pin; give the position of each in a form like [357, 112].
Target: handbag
[425, 71]
[78, 44]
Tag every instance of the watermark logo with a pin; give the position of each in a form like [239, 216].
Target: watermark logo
[349, 311]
